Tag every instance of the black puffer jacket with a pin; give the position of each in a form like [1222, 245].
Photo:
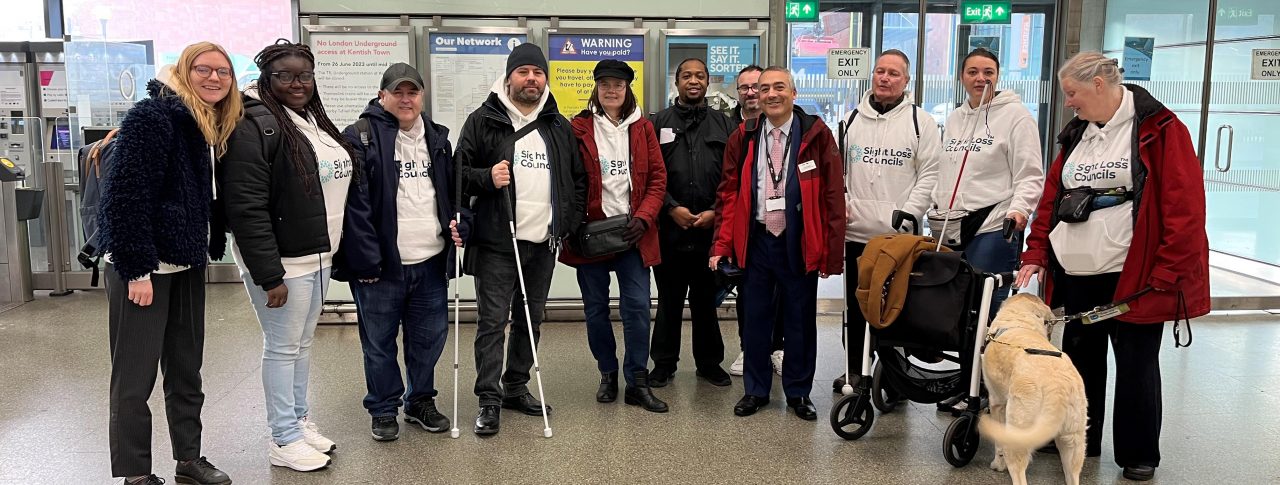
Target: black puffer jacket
[268, 210]
[478, 151]
[157, 192]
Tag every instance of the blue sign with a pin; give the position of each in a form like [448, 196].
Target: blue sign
[595, 47]
[725, 56]
[443, 43]
[1137, 58]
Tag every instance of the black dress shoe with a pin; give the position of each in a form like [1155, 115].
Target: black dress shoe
[608, 387]
[716, 376]
[200, 472]
[661, 376]
[639, 394]
[487, 420]
[749, 404]
[1140, 473]
[526, 404]
[424, 413]
[385, 428]
[803, 408]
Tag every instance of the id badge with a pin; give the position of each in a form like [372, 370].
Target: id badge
[1105, 313]
[775, 204]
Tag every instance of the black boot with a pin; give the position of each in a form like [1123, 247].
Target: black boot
[608, 387]
[640, 394]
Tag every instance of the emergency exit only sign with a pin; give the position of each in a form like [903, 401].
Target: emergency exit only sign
[1266, 65]
[849, 63]
[984, 12]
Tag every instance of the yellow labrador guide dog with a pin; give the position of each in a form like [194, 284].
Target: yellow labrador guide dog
[1036, 394]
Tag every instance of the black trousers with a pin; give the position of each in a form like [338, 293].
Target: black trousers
[169, 332]
[855, 328]
[685, 273]
[1137, 407]
[498, 296]
[777, 320]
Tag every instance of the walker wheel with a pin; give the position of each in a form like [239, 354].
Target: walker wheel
[852, 416]
[961, 441]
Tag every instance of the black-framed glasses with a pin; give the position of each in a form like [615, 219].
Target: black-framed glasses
[305, 77]
[746, 88]
[206, 71]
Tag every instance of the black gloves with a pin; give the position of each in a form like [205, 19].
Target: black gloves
[635, 229]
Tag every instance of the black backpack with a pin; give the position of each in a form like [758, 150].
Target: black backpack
[94, 160]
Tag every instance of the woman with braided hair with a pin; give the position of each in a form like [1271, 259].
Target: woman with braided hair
[284, 185]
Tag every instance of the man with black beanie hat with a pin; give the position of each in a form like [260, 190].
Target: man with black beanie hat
[693, 138]
[547, 187]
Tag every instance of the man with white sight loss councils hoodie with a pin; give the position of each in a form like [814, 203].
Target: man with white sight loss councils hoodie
[891, 163]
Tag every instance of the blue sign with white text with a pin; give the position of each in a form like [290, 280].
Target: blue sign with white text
[444, 43]
[1137, 58]
[595, 47]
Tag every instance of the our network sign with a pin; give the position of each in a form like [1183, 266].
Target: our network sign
[984, 12]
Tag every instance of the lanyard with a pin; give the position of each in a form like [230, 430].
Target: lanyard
[774, 175]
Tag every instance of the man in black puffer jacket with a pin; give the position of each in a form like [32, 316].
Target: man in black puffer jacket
[545, 191]
[693, 138]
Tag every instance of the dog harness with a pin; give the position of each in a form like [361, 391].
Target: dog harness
[993, 336]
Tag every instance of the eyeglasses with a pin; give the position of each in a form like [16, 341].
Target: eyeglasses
[206, 71]
[746, 88]
[286, 77]
[613, 86]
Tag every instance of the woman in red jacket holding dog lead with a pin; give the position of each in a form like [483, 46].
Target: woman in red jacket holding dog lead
[1122, 218]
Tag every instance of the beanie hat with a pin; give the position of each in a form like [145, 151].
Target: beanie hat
[526, 55]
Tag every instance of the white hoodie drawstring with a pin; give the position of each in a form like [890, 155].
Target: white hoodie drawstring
[214, 170]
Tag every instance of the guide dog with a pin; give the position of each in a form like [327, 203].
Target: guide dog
[1037, 396]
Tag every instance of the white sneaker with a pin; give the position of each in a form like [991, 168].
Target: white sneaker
[311, 434]
[297, 455]
[777, 362]
[736, 368]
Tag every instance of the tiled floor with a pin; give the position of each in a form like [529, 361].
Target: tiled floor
[1220, 395]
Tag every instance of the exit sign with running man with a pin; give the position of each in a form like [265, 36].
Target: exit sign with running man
[802, 11]
[984, 12]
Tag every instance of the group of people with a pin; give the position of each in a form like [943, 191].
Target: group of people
[766, 196]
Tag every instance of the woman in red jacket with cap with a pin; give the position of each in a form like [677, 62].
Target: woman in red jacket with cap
[1122, 218]
[625, 178]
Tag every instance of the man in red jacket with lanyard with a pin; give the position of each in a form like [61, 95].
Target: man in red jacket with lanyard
[781, 201]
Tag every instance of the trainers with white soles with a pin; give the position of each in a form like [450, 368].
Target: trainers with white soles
[736, 368]
[311, 434]
[777, 362]
[298, 455]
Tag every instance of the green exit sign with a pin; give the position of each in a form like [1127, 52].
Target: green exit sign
[802, 11]
[984, 12]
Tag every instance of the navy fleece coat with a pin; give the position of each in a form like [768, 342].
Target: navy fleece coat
[158, 191]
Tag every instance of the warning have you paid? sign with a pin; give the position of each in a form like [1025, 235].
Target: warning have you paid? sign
[852, 63]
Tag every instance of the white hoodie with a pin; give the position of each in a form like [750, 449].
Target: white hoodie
[1005, 166]
[887, 168]
[613, 144]
[418, 222]
[334, 168]
[1102, 160]
[530, 171]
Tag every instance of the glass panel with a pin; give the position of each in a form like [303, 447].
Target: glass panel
[1242, 182]
[817, 94]
[22, 20]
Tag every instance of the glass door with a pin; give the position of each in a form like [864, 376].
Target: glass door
[1242, 179]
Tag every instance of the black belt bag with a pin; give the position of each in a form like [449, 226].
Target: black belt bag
[1076, 204]
[603, 237]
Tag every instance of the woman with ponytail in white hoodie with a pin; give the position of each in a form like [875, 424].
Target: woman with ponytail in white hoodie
[626, 177]
[991, 170]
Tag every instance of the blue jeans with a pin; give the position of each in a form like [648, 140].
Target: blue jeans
[419, 302]
[287, 333]
[989, 252]
[633, 291]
